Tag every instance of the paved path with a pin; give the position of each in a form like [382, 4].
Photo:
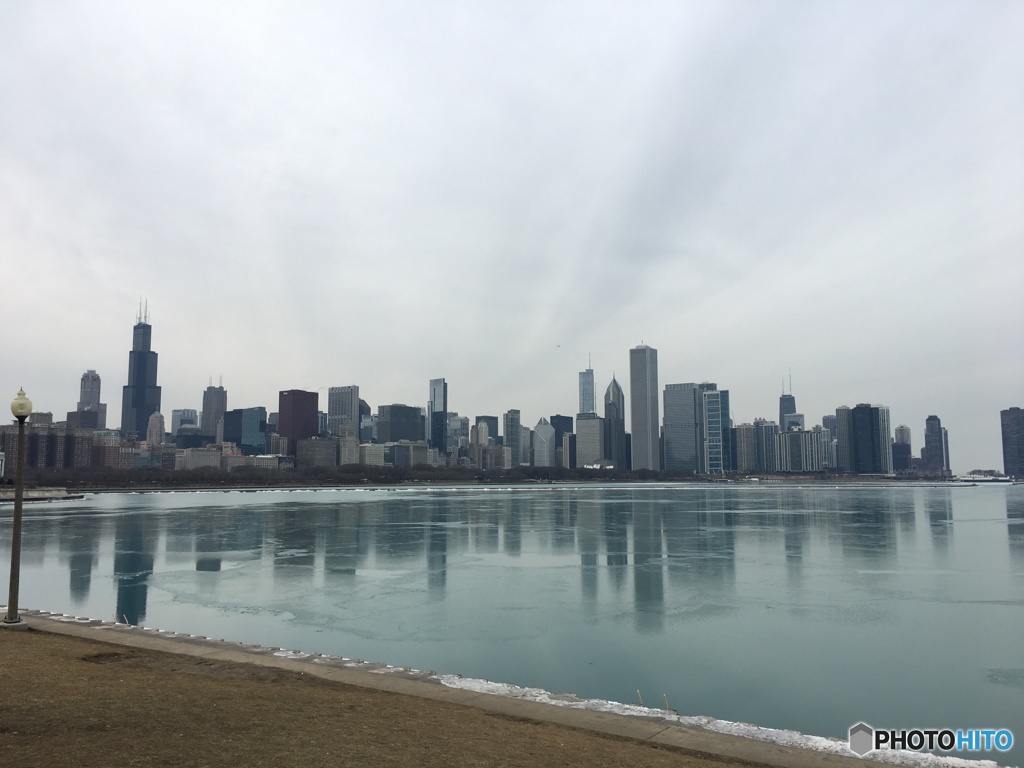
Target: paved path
[423, 685]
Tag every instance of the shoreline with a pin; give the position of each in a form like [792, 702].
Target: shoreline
[79, 492]
[693, 735]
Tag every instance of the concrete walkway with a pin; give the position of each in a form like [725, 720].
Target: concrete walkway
[424, 685]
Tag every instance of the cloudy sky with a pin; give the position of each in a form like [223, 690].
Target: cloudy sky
[311, 194]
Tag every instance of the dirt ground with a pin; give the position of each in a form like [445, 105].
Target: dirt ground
[66, 701]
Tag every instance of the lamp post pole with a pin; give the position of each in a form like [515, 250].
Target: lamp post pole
[21, 408]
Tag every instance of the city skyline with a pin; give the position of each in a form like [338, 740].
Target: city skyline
[750, 189]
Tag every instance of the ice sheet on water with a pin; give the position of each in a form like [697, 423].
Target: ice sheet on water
[776, 736]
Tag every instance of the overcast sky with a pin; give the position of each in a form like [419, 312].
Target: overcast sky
[312, 194]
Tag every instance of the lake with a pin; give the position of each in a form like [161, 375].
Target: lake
[806, 608]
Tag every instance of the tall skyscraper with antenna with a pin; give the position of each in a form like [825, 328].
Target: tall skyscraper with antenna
[141, 395]
[215, 405]
[588, 402]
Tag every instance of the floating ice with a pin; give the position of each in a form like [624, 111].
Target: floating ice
[776, 736]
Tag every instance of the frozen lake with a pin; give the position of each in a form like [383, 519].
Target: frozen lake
[800, 608]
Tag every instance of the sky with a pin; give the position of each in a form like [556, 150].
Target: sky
[314, 194]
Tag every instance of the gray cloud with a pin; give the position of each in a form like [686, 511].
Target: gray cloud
[317, 194]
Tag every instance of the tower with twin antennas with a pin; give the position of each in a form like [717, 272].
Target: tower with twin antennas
[141, 395]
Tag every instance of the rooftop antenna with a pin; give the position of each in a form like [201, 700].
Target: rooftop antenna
[791, 381]
[220, 381]
[147, 312]
[589, 364]
[138, 317]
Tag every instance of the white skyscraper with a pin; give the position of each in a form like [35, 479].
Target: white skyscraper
[643, 401]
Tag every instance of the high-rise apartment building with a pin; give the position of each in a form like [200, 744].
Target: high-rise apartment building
[933, 455]
[716, 434]
[615, 426]
[869, 445]
[141, 395]
[298, 416]
[215, 405]
[744, 442]
[1011, 422]
[643, 395]
[342, 408]
[588, 402]
[766, 435]
[437, 416]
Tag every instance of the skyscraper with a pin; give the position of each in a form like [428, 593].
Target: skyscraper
[682, 427]
[587, 394]
[787, 405]
[543, 444]
[342, 408]
[181, 416]
[246, 428]
[1011, 422]
[492, 427]
[934, 454]
[871, 439]
[215, 405]
[902, 436]
[89, 398]
[297, 416]
[437, 415]
[643, 394]
[615, 425]
[141, 395]
[155, 429]
[717, 435]
[399, 422]
[513, 435]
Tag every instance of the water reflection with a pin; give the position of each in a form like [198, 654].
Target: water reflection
[652, 541]
[134, 544]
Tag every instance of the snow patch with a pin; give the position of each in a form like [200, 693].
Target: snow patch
[773, 735]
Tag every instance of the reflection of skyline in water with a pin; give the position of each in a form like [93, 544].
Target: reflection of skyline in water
[720, 594]
[685, 541]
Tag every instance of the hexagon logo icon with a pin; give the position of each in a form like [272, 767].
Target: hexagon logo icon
[862, 739]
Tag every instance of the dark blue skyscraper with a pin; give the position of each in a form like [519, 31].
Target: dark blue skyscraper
[141, 396]
[437, 416]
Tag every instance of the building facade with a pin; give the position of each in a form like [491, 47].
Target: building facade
[215, 405]
[1011, 422]
[588, 403]
[297, 416]
[615, 426]
[644, 421]
[342, 408]
[141, 395]
[437, 416]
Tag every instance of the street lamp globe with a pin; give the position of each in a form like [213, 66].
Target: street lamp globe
[21, 406]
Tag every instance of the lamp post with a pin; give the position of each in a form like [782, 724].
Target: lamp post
[21, 407]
